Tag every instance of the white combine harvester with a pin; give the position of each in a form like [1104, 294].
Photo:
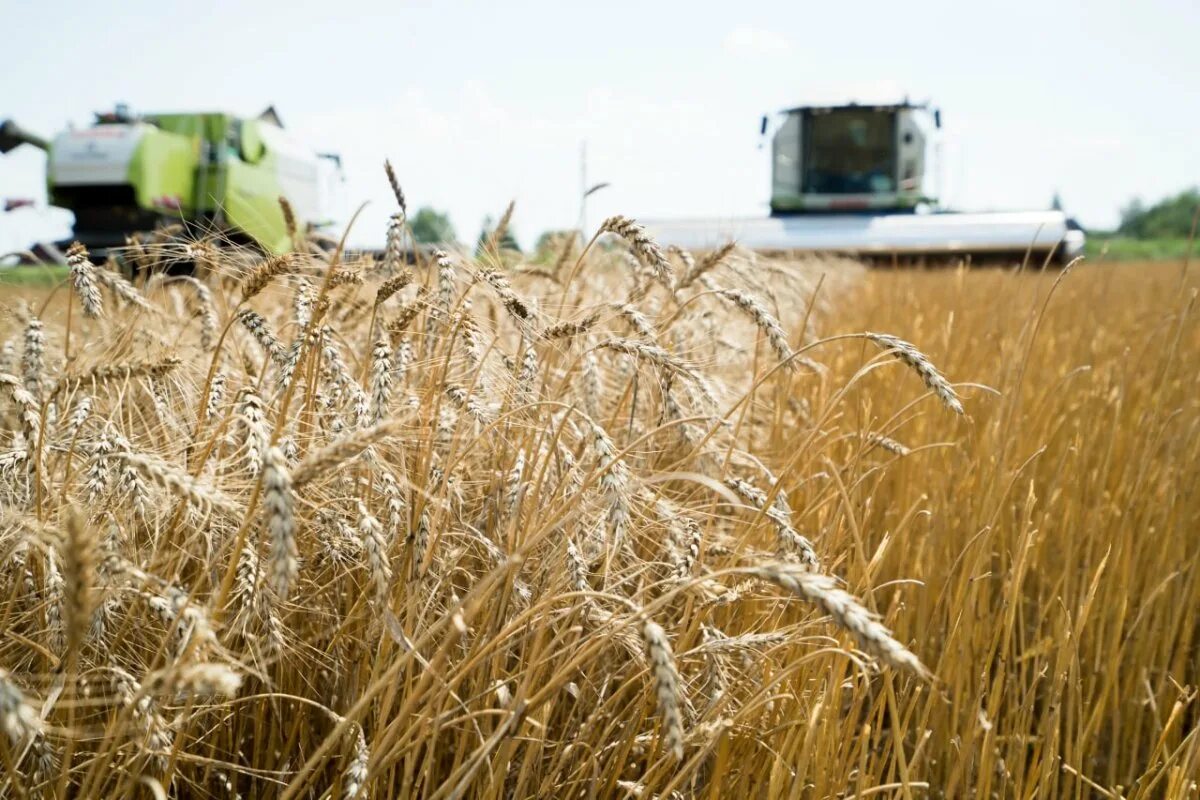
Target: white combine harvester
[858, 179]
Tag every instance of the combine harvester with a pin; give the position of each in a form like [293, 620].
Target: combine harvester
[857, 180]
[128, 174]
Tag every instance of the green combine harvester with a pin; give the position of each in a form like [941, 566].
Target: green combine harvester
[129, 173]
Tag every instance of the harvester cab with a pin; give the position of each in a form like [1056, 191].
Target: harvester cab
[127, 173]
[853, 158]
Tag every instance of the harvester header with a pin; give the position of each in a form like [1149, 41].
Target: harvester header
[13, 136]
[860, 180]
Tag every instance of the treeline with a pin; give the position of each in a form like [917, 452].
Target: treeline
[1171, 218]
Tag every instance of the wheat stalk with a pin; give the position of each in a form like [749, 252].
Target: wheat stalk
[122, 288]
[79, 563]
[32, 358]
[643, 247]
[920, 363]
[174, 480]
[710, 261]
[846, 611]
[205, 311]
[17, 717]
[252, 420]
[108, 373]
[375, 549]
[667, 686]
[391, 286]
[381, 381]
[340, 451]
[83, 278]
[888, 443]
[279, 506]
[266, 272]
[355, 776]
[394, 182]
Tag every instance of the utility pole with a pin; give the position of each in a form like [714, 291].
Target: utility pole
[583, 189]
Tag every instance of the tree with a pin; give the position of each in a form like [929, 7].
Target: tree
[551, 244]
[507, 242]
[432, 227]
[1131, 213]
[1170, 218]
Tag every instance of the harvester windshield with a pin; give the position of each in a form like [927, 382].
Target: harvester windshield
[849, 151]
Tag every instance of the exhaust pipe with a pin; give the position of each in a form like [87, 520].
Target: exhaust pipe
[13, 136]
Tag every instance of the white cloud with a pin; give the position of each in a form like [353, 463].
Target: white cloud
[746, 40]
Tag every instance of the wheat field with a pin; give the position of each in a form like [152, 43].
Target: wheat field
[627, 523]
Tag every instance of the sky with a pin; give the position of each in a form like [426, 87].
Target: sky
[478, 104]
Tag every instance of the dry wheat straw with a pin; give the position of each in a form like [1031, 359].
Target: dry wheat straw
[585, 481]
